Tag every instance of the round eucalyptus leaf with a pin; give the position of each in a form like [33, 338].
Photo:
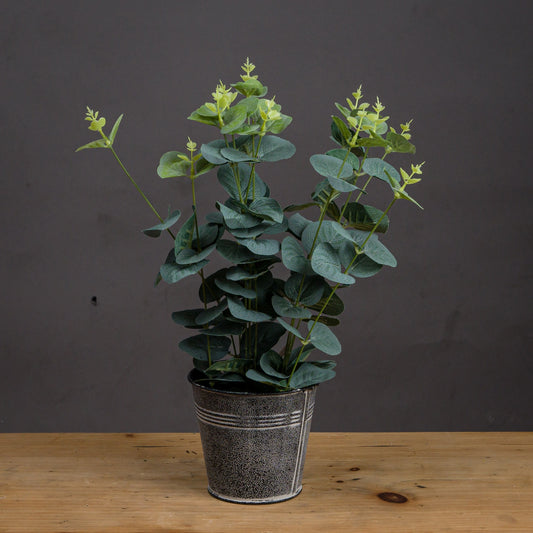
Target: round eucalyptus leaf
[274, 148]
[293, 257]
[204, 347]
[326, 263]
[208, 315]
[238, 310]
[211, 152]
[324, 339]
[330, 167]
[261, 246]
[187, 317]
[378, 168]
[172, 273]
[234, 288]
[189, 256]
[287, 309]
[309, 374]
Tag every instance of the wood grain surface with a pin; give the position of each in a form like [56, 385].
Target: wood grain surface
[369, 482]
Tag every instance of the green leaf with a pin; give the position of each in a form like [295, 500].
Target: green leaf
[308, 289]
[330, 167]
[238, 310]
[335, 305]
[100, 143]
[372, 140]
[236, 156]
[186, 317]
[309, 374]
[364, 267]
[249, 104]
[287, 309]
[250, 87]
[156, 230]
[365, 217]
[208, 291]
[378, 168]
[202, 166]
[344, 110]
[330, 232]
[232, 287]
[328, 320]
[405, 196]
[274, 228]
[374, 249]
[290, 329]
[324, 339]
[171, 165]
[270, 364]
[297, 224]
[345, 134]
[236, 220]
[201, 346]
[326, 263]
[189, 256]
[215, 218]
[233, 118]
[293, 257]
[255, 375]
[266, 208]
[211, 152]
[173, 273]
[342, 185]
[238, 366]
[237, 273]
[226, 177]
[261, 246]
[337, 135]
[250, 233]
[400, 144]
[234, 252]
[198, 116]
[264, 335]
[113, 133]
[351, 158]
[209, 234]
[225, 327]
[210, 314]
[280, 125]
[274, 148]
[184, 236]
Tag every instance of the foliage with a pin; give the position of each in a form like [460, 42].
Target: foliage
[254, 328]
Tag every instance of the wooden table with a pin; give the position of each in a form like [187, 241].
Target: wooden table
[371, 482]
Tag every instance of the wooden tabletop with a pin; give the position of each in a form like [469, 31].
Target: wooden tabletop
[364, 482]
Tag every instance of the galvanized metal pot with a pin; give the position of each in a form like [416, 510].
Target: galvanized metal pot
[254, 443]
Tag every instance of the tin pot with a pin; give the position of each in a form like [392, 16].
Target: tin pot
[254, 443]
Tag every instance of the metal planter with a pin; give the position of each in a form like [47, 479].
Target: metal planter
[254, 443]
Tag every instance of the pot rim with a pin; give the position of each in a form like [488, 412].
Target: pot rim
[245, 393]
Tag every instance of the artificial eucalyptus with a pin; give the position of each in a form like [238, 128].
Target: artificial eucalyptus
[253, 329]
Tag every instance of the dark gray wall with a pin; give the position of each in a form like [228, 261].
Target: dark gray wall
[443, 342]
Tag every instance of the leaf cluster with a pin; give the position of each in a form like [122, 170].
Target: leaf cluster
[254, 329]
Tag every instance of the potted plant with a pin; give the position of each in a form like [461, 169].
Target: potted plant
[270, 308]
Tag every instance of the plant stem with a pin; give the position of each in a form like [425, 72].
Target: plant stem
[139, 189]
[334, 289]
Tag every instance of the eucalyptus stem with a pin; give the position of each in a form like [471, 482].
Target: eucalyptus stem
[199, 248]
[334, 289]
[139, 189]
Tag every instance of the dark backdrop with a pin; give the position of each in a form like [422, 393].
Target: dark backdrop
[443, 342]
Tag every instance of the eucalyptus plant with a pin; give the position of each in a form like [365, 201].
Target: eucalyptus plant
[255, 329]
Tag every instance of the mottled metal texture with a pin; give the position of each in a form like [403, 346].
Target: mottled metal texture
[254, 444]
